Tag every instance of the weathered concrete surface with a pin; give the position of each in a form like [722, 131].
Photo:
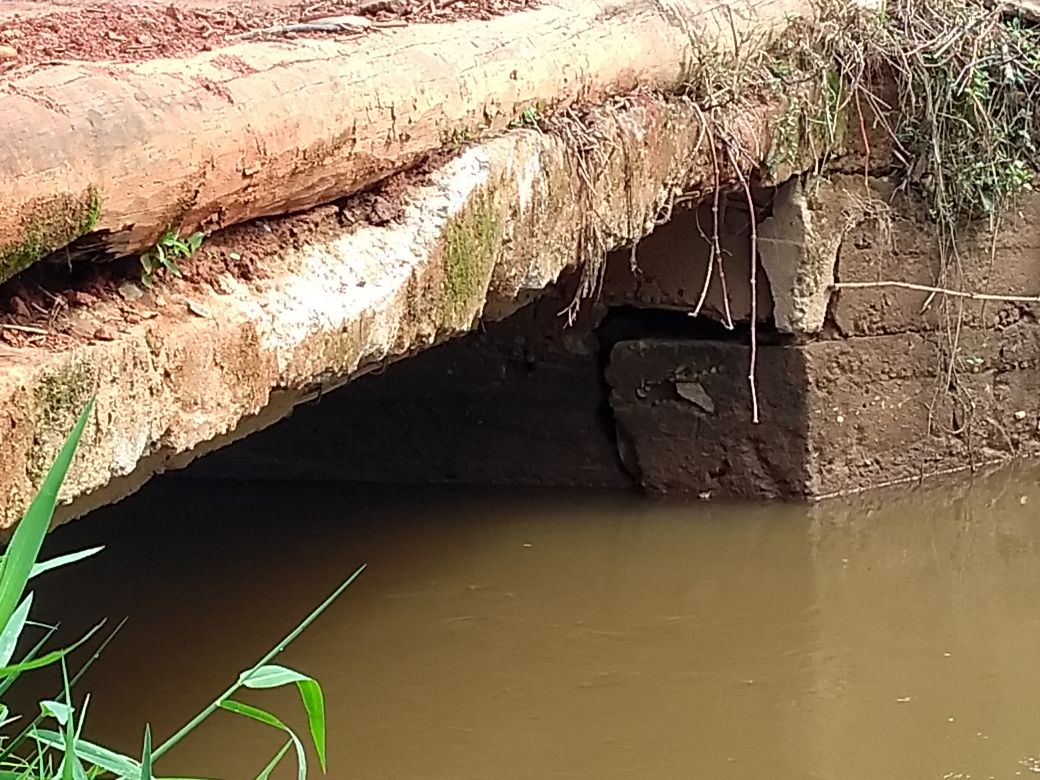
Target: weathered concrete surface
[864, 393]
[837, 415]
[199, 368]
[524, 402]
[798, 248]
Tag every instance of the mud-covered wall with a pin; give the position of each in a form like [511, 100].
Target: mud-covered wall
[856, 386]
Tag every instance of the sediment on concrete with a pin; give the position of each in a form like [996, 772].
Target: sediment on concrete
[198, 365]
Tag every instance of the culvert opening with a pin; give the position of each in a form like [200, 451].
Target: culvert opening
[522, 401]
[528, 400]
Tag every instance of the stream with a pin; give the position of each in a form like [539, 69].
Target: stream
[544, 634]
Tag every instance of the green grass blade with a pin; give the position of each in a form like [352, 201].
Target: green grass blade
[63, 560]
[10, 679]
[69, 762]
[300, 628]
[263, 716]
[69, 759]
[12, 631]
[146, 754]
[109, 760]
[266, 773]
[82, 712]
[16, 742]
[46, 660]
[274, 676]
[28, 536]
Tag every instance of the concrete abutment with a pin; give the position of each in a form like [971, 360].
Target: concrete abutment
[849, 381]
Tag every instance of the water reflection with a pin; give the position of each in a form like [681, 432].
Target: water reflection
[560, 635]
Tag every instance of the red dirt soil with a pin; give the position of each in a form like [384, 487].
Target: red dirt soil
[61, 30]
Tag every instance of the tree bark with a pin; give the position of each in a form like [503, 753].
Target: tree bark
[125, 152]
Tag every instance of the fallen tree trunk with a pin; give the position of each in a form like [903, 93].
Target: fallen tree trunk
[125, 152]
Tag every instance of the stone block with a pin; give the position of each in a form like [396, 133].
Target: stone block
[798, 248]
[836, 415]
[683, 412]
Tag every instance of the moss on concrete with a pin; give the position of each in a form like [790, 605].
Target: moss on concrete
[811, 128]
[471, 242]
[60, 397]
[785, 141]
[50, 224]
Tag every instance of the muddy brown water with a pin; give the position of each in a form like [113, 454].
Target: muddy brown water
[505, 634]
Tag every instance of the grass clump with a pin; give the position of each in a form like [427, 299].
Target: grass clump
[955, 85]
[51, 745]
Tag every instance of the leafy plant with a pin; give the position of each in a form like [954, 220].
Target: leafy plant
[61, 752]
[530, 116]
[167, 251]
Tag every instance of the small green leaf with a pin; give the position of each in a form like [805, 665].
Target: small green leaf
[195, 241]
[13, 630]
[273, 676]
[57, 710]
[170, 264]
[270, 676]
[314, 703]
[249, 711]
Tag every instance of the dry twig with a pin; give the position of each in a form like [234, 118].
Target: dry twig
[946, 291]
